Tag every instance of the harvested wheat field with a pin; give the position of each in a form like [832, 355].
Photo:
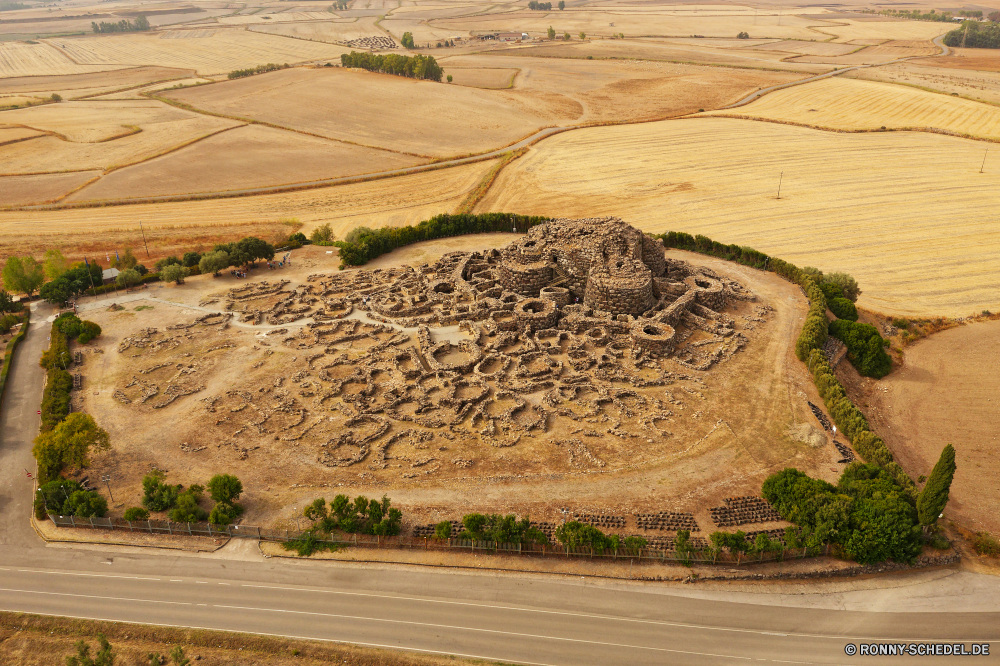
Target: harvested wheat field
[859, 31]
[850, 104]
[630, 90]
[102, 135]
[872, 55]
[987, 60]
[948, 391]
[393, 202]
[453, 120]
[244, 157]
[494, 78]
[339, 31]
[879, 206]
[23, 190]
[18, 59]
[107, 80]
[207, 51]
[971, 83]
[827, 49]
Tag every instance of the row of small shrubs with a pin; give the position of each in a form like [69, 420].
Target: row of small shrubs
[852, 422]
[184, 505]
[362, 244]
[361, 516]
[56, 359]
[259, 69]
[66, 497]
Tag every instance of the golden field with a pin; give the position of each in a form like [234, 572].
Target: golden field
[907, 214]
[850, 104]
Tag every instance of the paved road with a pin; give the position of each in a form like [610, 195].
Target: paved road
[520, 620]
[18, 427]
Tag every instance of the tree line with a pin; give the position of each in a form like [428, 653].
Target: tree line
[259, 69]
[976, 35]
[917, 15]
[362, 244]
[413, 67]
[141, 24]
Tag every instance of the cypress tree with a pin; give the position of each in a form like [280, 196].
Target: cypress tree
[934, 496]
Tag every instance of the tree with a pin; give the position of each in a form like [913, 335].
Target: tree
[566, 36]
[442, 530]
[576, 534]
[187, 509]
[167, 261]
[449, 78]
[190, 259]
[174, 273]
[128, 278]
[52, 496]
[251, 249]
[934, 496]
[214, 262]
[848, 285]
[224, 513]
[562, 5]
[552, 32]
[105, 655]
[157, 495]
[56, 97]
[743, 35]
[583, 35]
[321, 234]
[85, 504]
[7, 303]
[54, 264]
[125, 260]
[69, 444]
[23, 275]
[225, 488]
[407, 40]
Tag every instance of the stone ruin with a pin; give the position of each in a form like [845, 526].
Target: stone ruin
[580, 337]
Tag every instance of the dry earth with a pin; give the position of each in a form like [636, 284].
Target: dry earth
[970, 83]
[894, 195]
[722, 442]
[948, 391]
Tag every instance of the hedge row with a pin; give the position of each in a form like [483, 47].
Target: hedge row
[809, 348]
[374, 243]
[813, 334]
[9, 354]
[58, 384]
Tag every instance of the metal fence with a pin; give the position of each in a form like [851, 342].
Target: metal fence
[429, 543]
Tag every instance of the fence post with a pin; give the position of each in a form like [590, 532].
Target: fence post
[189, 529]
[91, 521]
[149, 524]
[378, 541]
[72, 522]
[170, 530]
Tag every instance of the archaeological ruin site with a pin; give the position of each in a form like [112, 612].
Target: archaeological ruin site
[493, 380]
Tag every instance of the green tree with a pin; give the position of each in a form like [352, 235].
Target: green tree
[157, 495]
[23, 275]
[552, 31]
[128, 278]
[174, 273]
[85, 504]
[190, 259]
[54, 264]
[562, 5]
[56, 97]
[407, 40]
[934, 496]
[51, 496]
[576, 535]
[136, 513]
[566, 36]
[450, 79]
[322, 234]
[187, 509]
[7, 303]
[223, 513]
[68, 445]
[125, 260]
[214, 262]
[848, 285]
[442, 530]
[583, 35]
[225, 488]
[105, 656]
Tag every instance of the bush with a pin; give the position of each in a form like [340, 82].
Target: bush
[442, 530]
[224, 513]
[986, 544]
[321, 234]
[214, 262]
[128, 278]
[85, 504]
[361, 516]
[157, 495]
[7, 322]
[575, 534]
[225, 488]
[501, 529]
[191, 259]
[88, 331]
[168, 261]
[934, 496]
[743, 35]
[843, 309]
[259, 69]
[187, 509]
[52, 495]
[864, 346]
[136, 513]
[848, 285]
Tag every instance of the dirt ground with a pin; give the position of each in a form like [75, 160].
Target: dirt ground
[946, 393]
[719, 443]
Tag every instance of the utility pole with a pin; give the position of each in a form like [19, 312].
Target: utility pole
[984, 159]
[144, 238]
[106, 478]
[780, 177]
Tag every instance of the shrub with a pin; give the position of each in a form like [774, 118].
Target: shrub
[362, 516]
[225, 488]
[174, 273]
[864, 346]
[224, 513]
[7, 322]
[575, 534]
[136, 513]
[105, 655]
[85, 504]
[168, 261]
[190, 259]
[986, 544]
[214, 262]
[413, 67]
[450, 78]
[742, 35]
[157, 495]
[88, 331]
[934, 496]
[442, 530]
[847, 284]
[320, 234]
[187, 509]
[843, 309]
[128, 278]
[52, 495]
[501, 529]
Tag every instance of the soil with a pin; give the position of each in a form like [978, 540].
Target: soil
[720, 443]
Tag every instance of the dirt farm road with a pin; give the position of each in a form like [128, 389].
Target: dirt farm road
[525, 619]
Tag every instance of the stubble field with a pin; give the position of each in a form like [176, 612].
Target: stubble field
[850, 104]
[880, 206]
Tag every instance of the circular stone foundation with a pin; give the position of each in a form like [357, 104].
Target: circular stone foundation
[654, 338]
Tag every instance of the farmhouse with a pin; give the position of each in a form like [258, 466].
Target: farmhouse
[506, 36]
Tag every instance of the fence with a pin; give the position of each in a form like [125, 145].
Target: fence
[428, 543]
